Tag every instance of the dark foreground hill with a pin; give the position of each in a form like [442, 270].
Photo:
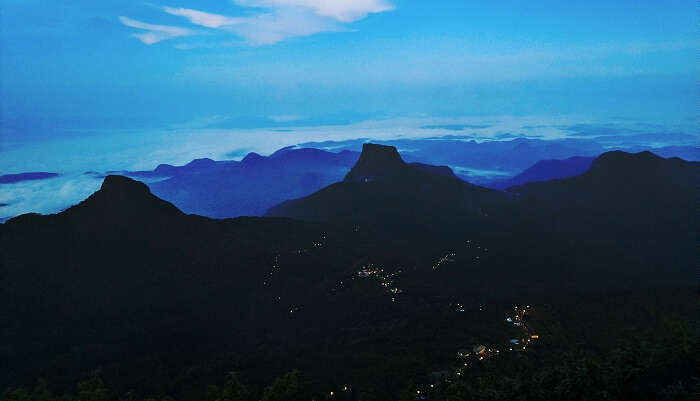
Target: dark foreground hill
[628, 212]
[126, 275]
[622, 181]
[161, 302]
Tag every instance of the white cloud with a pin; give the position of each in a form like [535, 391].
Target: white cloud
[341, 10]
[263, 28]
[156, 33]
[274, 21]
[46, 196]
[281, 24]
[202, 18]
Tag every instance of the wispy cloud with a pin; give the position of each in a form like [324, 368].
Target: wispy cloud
[202, 18]
[283, 23]
[341, 10]
[155, 33]
[272, 21]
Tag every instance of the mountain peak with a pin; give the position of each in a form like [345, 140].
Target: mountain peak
[377, 162]
[122, 187]
[616, 155]
[203, 162]
[124, 200]
[252, 158]
[618, 162]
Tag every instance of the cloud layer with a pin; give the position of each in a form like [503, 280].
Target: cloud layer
[272, 21]
[46, 196]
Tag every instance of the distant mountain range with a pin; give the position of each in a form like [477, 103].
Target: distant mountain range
[127, 282]
[249, 187]
[15, 178]
[478, 161]
[256, 183]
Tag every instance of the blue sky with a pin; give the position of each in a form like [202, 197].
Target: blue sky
[76, 65]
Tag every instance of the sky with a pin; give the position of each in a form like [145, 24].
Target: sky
[123, 84]
[81, 64]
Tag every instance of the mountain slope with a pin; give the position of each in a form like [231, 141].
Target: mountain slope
[545, 170]
[128, 276]
[621, 181]
[381, 189]
[630, 216]
[222, 189]
[126, 282]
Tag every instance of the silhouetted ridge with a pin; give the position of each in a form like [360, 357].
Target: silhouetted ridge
[248, 187]
[252, 158]
[165, 169]
[123, 187]
[285, 149]
[545, 170]
[643, 169]
[619, 162]
[622, 181]
[199, 163]
[377, 163]
[122, 199]
[383, 191]
[444, 171]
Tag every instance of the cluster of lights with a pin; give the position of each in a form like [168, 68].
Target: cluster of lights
[445, 259]
[321, 242]
[481, 352]
[450, 257]
[368, 271]
[385, 279]
[518, 321]
[471, 244]
[276, 266]
[345, 388]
